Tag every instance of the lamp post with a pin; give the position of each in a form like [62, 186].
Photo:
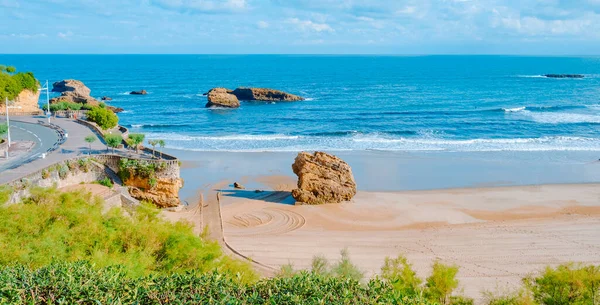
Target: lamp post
[7, 121]
[48, 112]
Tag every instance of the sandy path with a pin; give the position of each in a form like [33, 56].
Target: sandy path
[496, 235]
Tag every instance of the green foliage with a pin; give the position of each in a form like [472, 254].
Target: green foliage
[45, 174]
[5, 192]
[12, 85]
[27, 81]
[51, 226]
[90, 139]
[113, 140]
[345, 269]
[106, 182]
[84, 283]
[140, 168]
[441, 283]
[63, 171]
[105, 118]
[84, 164]
[136, 139]
[320, 265]
[399, 273]
[3, 129]
[521, 297]
[566, 284]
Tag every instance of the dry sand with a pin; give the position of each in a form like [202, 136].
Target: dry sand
[496, 235]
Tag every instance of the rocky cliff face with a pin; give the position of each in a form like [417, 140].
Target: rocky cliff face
[322, 178]
[221, 97]
[264, 94]
[28, 101]
[75, 91]
[164, 194]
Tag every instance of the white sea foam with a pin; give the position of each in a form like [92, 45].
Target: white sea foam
[374, 142]
[532, 76]
[136, 125]
[561, 117]
[516, 109]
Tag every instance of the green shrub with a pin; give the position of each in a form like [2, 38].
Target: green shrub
[320, 265]
[441, 283]
[69, 227]
[566, 284]
[45, 174]
[345, 269]
[106, 182]
[63, 171]
[3, 129]
[105, 118]
[399, 273]
[521, 297]
[5, 192]
[26, 81]
[113, 140]
[84, 283]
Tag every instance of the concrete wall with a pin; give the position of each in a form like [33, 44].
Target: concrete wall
[51, 176]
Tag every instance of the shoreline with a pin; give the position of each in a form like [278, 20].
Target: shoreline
[395, 171]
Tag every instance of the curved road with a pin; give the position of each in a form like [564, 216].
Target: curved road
[42, 137]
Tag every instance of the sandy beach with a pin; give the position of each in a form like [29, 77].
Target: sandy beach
[497, 234]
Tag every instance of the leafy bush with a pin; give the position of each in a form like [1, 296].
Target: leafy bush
[3, 129]
[399, 273]
[345, 268]
[106, 182]
[84, 283]
[5, 192]
[566, 284]
[69, 227]
[441, 283]
[45, 174]
[63, 171]
[12, 85]
[521, 297]
[105, 118]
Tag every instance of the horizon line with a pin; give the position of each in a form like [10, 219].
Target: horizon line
[324, 54]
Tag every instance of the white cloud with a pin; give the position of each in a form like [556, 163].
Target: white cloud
[203, 5]
[307, 25]
[262, 24]
[64, 35]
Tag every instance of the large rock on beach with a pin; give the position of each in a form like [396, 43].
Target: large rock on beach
[264, 94]
[322, 178]
[222, 97]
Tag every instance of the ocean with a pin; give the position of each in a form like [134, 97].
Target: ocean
[381, 103]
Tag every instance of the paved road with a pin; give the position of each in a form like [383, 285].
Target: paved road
[42, 137]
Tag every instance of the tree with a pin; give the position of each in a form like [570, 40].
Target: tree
[11, 69]
[162, 144]
[441, 282]
[153, 143]
[90, 139]
[112, 141]
[137, 139]
[105, 118]
[3, 129]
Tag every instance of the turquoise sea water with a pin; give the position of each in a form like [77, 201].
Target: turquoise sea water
[398, 103]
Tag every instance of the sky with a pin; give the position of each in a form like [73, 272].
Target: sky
[534, 27]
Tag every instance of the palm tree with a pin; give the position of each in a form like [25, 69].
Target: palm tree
[90, 139]
[153, 143]
[162, 144]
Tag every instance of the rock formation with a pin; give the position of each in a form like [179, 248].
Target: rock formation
[564, 75]
[165, 194]
[71, 85]
[322, 178]
[27, 101]
[141, 92]
[238, 186]
[75, 91]
[107, 98]
[264, 94]
[221, 97]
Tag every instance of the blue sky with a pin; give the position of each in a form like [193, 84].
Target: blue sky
[541, 27]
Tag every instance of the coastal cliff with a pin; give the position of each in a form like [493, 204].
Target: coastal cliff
[27, 100]
[152, 180]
